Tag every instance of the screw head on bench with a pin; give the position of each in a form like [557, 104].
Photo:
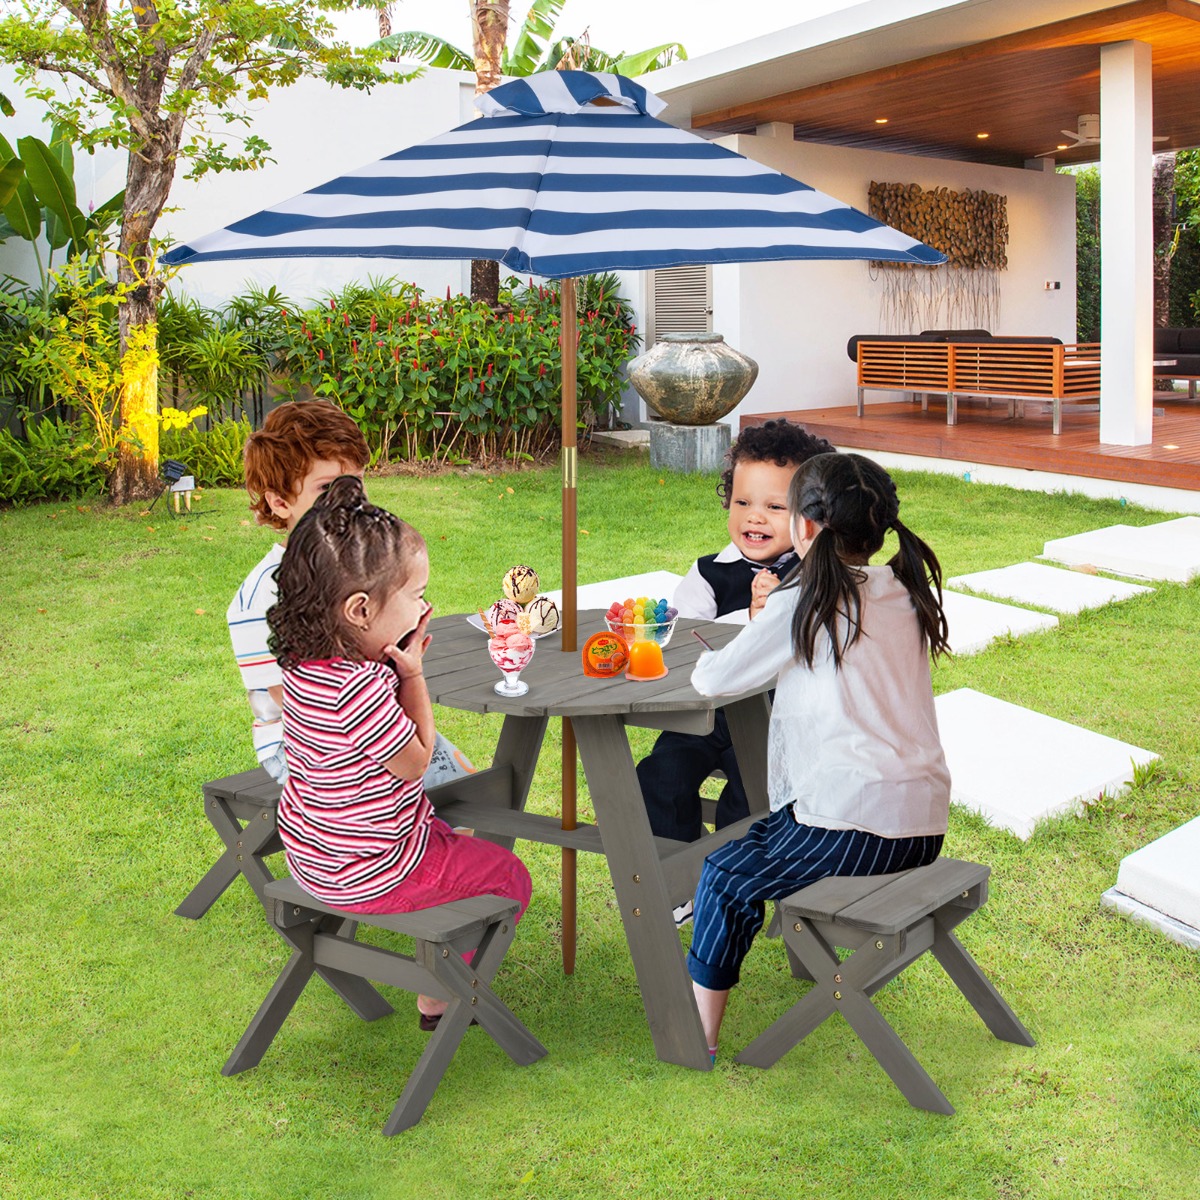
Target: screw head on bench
[878, 945]
[637, 879]
[445, 953]
[837, 995]
[239, 858]
[837, 979]
[797, 927]
[965, 895]
[295, 910]
[474, 999]
[637, 912]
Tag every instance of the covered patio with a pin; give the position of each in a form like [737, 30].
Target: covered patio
[992, 83]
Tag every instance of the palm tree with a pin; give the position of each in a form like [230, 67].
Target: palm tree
[535, 49]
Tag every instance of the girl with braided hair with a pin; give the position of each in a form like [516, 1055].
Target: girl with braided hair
[857, 779]
[350, 631]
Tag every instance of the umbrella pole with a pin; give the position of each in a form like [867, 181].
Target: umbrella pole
[570, 350]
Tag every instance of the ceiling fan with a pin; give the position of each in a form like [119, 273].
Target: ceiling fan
[1088, 134]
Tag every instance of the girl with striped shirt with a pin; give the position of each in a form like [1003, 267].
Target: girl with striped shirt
[350, 631]
[857, 779]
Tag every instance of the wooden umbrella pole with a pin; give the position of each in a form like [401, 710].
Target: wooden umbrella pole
[569, 338]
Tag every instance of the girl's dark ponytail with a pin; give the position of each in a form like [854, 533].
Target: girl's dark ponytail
[917, 567]
[828, 590]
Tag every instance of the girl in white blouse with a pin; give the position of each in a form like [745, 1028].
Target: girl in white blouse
[857, 778]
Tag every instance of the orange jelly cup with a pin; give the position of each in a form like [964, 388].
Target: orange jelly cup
[646, 661]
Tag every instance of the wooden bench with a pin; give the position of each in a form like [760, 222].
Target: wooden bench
[241, 808]
[323, 940]
[997, 369]
[888, 922]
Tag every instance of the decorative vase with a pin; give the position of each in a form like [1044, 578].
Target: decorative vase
[692, 378]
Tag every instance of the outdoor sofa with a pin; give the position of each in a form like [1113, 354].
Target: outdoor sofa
[1183, 345]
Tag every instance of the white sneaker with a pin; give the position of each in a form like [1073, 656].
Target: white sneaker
[682, 914]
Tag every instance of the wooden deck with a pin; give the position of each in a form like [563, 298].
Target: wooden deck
[987, 436]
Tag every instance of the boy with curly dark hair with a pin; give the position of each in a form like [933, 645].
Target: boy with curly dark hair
[732, 584]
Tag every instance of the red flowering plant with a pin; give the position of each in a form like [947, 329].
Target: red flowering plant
[449, 380]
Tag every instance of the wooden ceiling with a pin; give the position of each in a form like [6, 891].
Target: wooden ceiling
[1020, 90]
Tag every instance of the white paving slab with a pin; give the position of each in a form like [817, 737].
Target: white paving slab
[600, 595]
[1168, 550]
[975, 623]
[1159, 885]
[1016, 766]
[1048, 587]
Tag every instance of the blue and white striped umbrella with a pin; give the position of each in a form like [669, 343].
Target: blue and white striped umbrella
[565, 173]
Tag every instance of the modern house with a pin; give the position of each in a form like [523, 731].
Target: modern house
[969, 96]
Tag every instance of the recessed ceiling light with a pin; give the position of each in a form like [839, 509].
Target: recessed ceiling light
[1062, 146]
[981, 136]
[881, 120]
[1170, 446]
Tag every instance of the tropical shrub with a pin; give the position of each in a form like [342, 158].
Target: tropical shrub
[213, 455]
[453, 380]
[52, 462]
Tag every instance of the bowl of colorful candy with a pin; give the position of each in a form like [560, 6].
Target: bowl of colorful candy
[642, 620]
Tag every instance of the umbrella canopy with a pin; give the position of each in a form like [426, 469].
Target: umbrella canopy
[566, 173]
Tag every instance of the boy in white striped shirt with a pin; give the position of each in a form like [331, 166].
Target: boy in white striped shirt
[301, 449]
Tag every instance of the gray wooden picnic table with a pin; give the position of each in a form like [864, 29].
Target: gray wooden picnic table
[650, 875]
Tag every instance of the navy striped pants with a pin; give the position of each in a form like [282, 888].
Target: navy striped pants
[775, 858]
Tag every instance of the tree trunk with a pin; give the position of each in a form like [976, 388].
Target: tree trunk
[147, 184]
[489, 33]
[1165, 241]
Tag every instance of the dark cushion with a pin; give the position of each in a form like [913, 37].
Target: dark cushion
[1189, 341]
[1013, 340]
[1166, 341]
[956, 335]
[852, 344]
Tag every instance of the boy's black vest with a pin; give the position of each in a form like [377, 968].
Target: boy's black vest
[730, 581]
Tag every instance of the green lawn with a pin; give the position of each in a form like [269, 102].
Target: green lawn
[115, 1016]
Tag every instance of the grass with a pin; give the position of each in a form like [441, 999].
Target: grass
[121, 699]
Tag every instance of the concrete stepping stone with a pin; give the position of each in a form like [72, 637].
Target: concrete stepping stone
[1048, 587]
[1159, 886]
[975, 623]
[1168, 550]
[1016, 766]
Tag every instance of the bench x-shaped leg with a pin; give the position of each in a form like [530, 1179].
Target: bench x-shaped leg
[245, 848]
[436, 969]
[466, 986]
[846, 987]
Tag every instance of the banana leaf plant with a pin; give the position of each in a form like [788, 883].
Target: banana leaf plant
[39, 203]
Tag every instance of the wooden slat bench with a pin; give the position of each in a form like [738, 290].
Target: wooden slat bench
[888, 921]
[323, 940]
[1000, 369]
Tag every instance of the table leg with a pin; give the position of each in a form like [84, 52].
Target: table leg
[748, 722]
[641, 891]
[519, 745]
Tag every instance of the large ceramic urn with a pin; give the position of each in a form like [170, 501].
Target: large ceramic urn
[692, 378]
